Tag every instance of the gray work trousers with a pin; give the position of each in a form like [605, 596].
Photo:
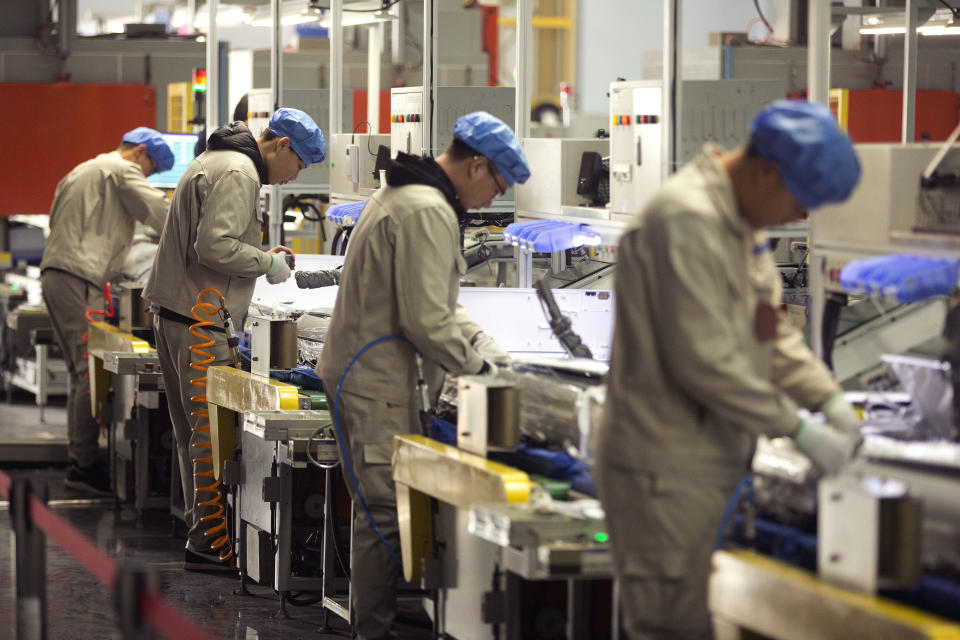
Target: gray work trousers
[368, 427]
[67, 298]
[173, 348]
[662, 531]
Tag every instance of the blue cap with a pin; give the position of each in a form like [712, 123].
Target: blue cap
[491, 137]
[816, 159]
[305, 136]
[156, 146]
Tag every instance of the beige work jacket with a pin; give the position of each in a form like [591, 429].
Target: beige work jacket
[691, 383]
[92, 218]
[213, 237]
[401, 277]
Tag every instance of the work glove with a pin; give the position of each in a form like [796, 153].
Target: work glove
[488, 369]
[841, 415]
[278, 271]
[826, 447]
[490, 351]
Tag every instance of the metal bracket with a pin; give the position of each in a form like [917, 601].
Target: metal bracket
[272, 489]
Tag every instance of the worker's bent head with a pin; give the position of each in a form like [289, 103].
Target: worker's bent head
[290, 143]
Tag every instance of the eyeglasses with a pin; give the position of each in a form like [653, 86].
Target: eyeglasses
[493, 174]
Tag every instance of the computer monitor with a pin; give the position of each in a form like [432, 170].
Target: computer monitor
[182, 145]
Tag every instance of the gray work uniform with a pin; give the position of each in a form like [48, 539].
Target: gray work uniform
[212, 239]
[92, 220]
[402, 278]
[702, 363]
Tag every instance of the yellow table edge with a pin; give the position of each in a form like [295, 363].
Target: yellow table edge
[289, 396]
[516, 483]
[137, 345]
[934, 626]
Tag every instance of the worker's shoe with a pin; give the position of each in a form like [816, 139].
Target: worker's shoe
[197, 561]
[94, 479]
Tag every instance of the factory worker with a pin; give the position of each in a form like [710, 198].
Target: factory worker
[703, 361]
[213, 239]
[402, 277]
[92, 221]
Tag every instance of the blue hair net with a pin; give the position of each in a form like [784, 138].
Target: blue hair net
[156, 146]
[491, 137]
[306, 138]
[816, 160]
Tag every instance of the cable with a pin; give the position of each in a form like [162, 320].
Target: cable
[560, 324]
[763, 18]
[369, 134]
[345, 458]
[316, 462]
[745, 482]
[955, 12]
[218, 517]
[89, 313]
[383, 5]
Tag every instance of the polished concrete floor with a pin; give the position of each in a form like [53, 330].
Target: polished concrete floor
[80, 607]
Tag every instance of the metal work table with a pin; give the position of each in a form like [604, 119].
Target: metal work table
[753, 592]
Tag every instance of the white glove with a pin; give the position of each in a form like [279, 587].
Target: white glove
[826, 447]
[490, 351]
[841, 414]
[278, 271]
[488, 369]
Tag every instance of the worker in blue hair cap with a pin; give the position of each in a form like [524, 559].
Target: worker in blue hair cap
[95, 209]
[213, 240]
[703, 361]
[402, 278]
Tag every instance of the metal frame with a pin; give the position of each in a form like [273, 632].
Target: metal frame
[818, 83]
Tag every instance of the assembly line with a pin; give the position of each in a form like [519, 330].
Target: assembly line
[687, 370]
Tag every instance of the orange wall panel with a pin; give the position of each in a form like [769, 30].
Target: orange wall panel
[360, 111]
[54, 127]
[875, 114]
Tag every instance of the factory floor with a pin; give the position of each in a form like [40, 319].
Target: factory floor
[78, 606]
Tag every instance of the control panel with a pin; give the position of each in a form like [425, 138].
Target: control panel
[635, 145]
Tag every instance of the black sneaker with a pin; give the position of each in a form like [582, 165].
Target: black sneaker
[194, 561]
[94, 479]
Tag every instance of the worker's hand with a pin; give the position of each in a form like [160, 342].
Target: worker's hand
[488, 369]
[826, 447]
[278, 271]
[841, 415]
[490, 351]
[292, 260]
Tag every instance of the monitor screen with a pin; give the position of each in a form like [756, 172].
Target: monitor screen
[182, 146]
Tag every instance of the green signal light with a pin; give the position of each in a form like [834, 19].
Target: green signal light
[14, 286]
[601, 537]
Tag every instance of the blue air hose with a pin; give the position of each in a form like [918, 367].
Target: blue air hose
[343, 451]
[745, 485]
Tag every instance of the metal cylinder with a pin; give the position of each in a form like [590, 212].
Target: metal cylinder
[503, 416]
[283, 344]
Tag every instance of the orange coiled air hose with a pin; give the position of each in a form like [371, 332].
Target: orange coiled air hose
[218, 519]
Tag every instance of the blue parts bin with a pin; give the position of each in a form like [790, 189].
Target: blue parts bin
[548, 236]
[346, 214]
[902, 278]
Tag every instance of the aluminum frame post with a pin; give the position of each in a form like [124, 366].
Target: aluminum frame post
[818, 90]
[670, 87]
[429, 135]
[524, 60]
[907, 123]
[336, 67]
[373, 76]
[211, 113]
[275, 228]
